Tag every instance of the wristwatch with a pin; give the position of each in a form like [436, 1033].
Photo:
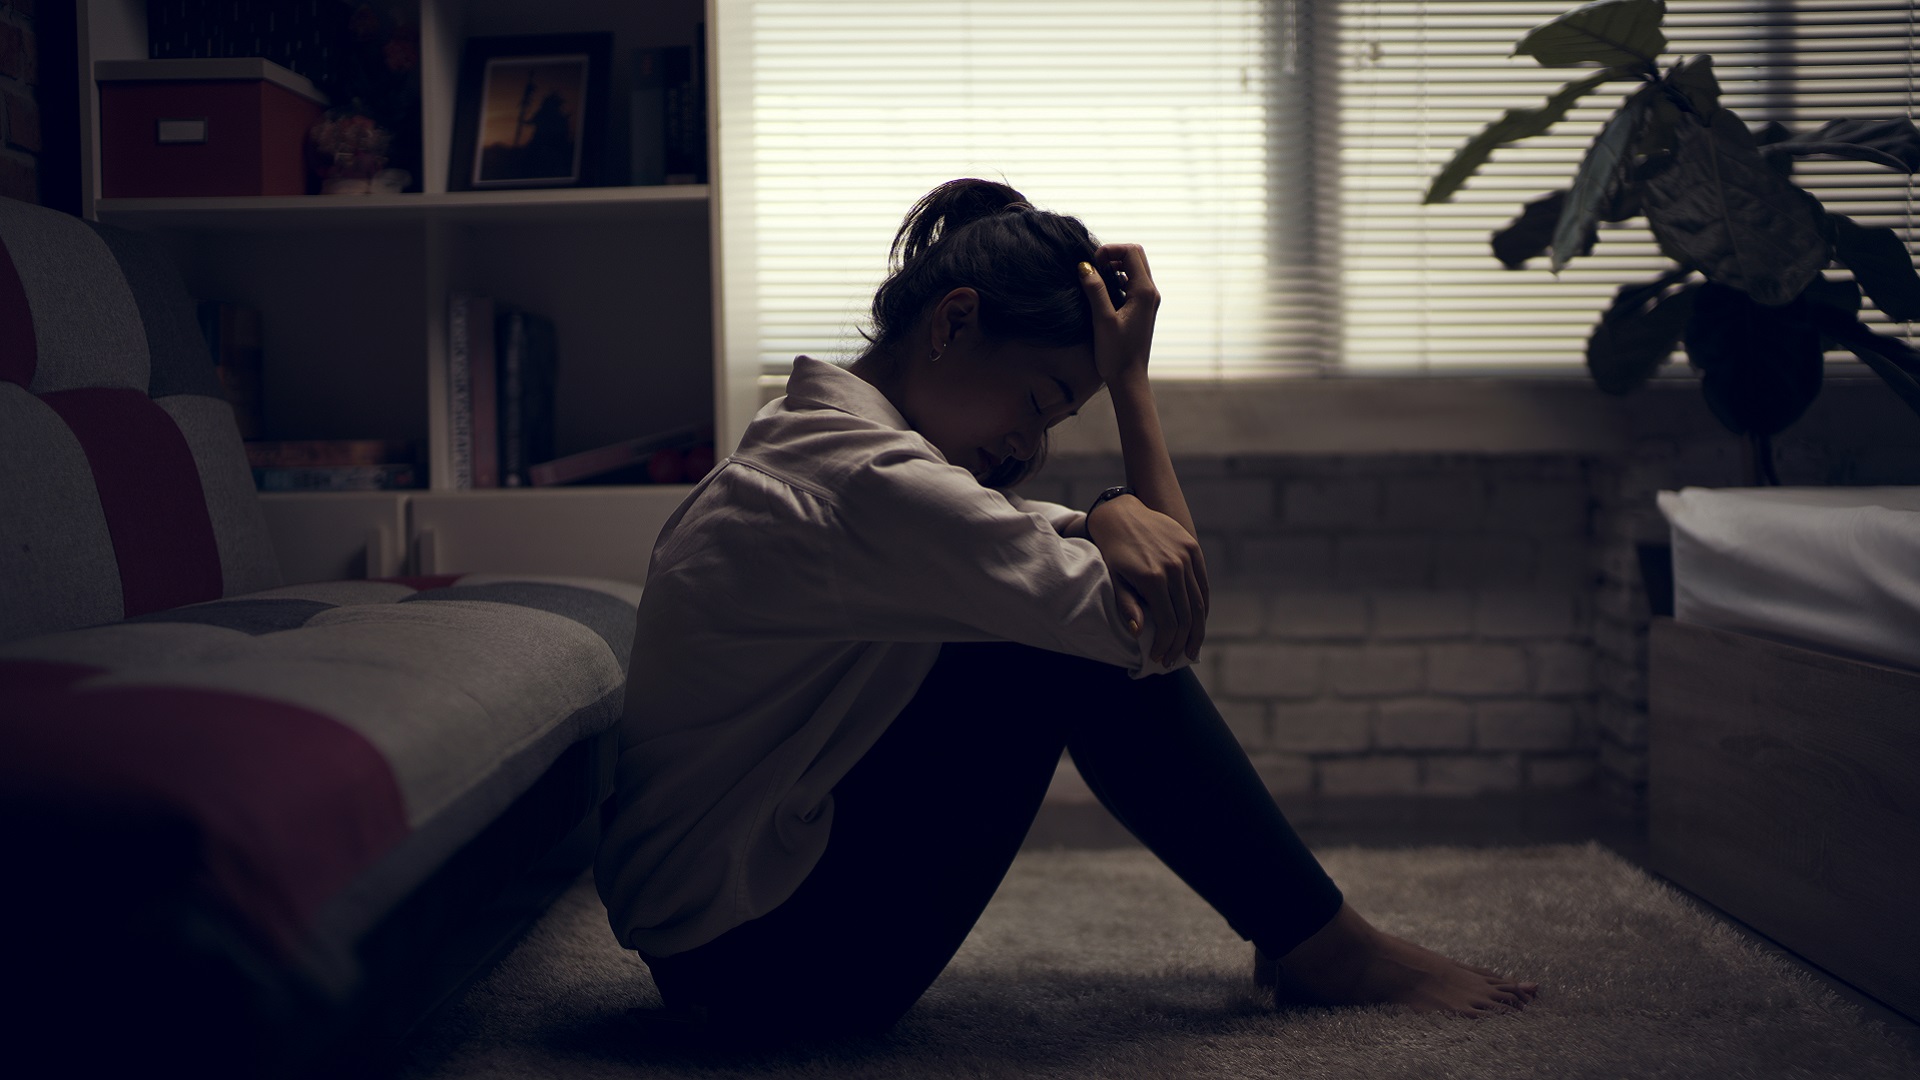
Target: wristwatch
[1113, 492]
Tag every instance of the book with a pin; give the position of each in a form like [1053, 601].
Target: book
[460, 392]
[683, 132]
[646, 118]
[483, 351]
[308, 453]
[337, 478]
[626, 455]
[528, 346]
[234, 338]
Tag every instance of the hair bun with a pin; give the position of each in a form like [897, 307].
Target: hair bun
[947, 209]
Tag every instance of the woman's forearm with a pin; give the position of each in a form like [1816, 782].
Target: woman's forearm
[1143, 449]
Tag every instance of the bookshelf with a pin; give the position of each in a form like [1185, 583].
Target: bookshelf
[353, 291]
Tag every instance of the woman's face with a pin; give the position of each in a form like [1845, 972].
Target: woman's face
[985, 401]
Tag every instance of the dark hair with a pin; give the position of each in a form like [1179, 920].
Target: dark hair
[1023, 262]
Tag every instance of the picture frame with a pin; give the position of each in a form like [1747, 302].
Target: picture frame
[531, 111]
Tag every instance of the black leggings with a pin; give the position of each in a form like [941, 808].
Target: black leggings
[927, 823]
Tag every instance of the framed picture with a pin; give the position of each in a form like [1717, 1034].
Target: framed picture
[531, 112]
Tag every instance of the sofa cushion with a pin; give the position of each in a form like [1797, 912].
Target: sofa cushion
[334, 743]
[121, 467]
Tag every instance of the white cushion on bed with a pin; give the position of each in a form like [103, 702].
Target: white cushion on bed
[1833, 568]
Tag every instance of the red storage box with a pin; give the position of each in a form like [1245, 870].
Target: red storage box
[235, 126]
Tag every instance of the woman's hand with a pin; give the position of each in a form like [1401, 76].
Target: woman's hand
[1122, 336]
[1157, 561]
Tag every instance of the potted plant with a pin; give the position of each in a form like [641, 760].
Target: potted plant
[1747, 297]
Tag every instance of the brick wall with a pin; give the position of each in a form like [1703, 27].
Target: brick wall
[19, 103]
[1394, 625]
[1452, 624]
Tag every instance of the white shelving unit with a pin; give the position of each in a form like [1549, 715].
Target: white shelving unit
[353, 292]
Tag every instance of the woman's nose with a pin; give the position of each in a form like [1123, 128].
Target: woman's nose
[1023, 444]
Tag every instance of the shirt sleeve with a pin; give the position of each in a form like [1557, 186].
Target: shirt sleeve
[930, 555]
[1063, 519]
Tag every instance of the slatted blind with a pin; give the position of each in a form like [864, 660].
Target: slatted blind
[1418, 77]
[1144, 118]
[1270, 155]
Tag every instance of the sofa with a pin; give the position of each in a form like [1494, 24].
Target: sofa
[255, 827]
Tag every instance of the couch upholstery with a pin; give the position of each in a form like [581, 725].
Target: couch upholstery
[200, 757]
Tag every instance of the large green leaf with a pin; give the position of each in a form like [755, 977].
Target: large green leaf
[1611, 32]
[1531, 230]
[1760, 366]
[1601, 174]
[1721, 210]
[1881, 265]
[1695, 81]
[1894, 143]
[1889, 357]
[1517, 124]
[1638, 332]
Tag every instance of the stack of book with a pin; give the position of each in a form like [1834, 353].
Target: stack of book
[501, 363]
[668, 116]
[334, 464]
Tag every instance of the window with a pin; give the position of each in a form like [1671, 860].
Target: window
[1270, 155]
[1419, 77]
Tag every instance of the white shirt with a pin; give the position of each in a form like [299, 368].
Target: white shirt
[793, 605]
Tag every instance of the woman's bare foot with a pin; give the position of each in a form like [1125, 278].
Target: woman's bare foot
[1349, 962]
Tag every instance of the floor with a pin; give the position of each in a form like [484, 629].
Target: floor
[1503, 819]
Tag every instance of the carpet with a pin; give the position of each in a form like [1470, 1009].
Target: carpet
[1103, 964]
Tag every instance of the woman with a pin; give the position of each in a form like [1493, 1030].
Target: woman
[859, 658]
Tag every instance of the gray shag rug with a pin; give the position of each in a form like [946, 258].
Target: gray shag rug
[1103, 964]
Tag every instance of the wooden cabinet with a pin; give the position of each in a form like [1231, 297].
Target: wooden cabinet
[353, 289]
[1783, 786]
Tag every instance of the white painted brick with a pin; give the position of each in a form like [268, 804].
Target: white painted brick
[1561, 772]
[1207, 670]
[1470, 775]
[1305, 561]
[1285, 774]
[1562, 668]
[1318, 727]
[1623, 763]
[1624, 723]
[1539, 508]
[1466, 562]
[1376, 670]
[1523, 725]
[1586, 725]
[1248, 722]
[1423, 724]
[1235, 613]
[1623, 681]
[1402, 615]
[1476, 669]
[1283, 671]
[1384, 562]
[1565, 565]
[1333, 503]
[1452, 501]
[1625, 642]
[1507, 614]
[1228, 502]
[1321, 616]
[1370, 776]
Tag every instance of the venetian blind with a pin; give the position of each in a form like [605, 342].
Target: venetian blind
[1146, 119]
[1418, 77]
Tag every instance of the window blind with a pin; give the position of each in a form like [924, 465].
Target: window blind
[1145, 119]
[1270, 154]
[1419, 77]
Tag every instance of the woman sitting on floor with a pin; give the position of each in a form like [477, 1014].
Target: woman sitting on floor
[859, 657]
